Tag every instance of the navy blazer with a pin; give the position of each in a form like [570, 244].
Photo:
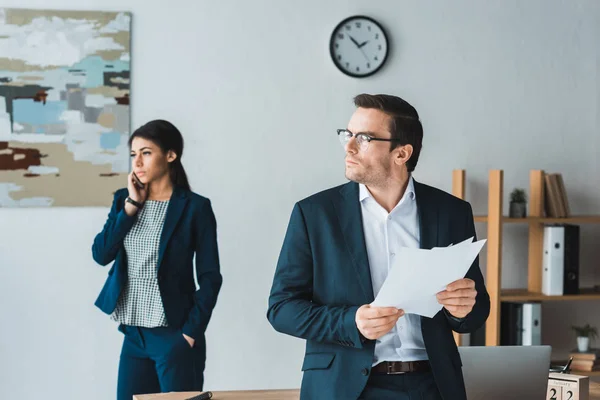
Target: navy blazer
[189, 227]
[323, 277]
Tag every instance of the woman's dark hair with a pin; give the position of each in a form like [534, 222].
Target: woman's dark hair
[166, 136]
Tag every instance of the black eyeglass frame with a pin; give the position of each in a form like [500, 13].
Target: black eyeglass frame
[365, 136]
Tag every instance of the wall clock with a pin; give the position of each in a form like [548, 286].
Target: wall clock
[358, 46]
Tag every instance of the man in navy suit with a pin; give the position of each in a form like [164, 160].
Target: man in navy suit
[339, 246]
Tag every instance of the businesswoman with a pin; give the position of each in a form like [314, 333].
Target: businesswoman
[155, 227]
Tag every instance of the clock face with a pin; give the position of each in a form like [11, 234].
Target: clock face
[358, 46]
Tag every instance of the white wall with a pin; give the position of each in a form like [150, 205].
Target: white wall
[499, 84]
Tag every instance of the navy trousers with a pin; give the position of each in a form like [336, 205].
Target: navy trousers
[156, 360]
[409, 386]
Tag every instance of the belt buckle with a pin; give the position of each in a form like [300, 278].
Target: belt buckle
[391, 372]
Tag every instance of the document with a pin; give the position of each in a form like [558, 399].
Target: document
[418, 275]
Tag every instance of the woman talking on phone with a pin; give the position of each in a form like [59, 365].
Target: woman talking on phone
[155, 227]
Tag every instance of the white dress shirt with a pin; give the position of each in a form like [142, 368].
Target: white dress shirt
[385, 236]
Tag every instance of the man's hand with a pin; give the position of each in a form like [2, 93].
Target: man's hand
[374, 322]
[459, 297]
[189, 339]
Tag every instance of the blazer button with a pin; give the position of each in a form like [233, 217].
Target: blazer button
[365, 372]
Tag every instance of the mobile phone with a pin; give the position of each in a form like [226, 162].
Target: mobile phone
[202, 396]
[137, 181]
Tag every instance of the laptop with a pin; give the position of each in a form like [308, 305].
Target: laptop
[505, 372]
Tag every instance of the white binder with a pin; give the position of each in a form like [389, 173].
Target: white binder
[532, 324]
[553, 261]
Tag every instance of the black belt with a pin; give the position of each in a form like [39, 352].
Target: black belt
[401, 367]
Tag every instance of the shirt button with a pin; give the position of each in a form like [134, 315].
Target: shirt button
[365, 372]
[392, 254]
[390, 218]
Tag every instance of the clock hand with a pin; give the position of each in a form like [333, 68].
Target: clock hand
[364, 54]
[354, 41]
[363, 43]
[359, 46]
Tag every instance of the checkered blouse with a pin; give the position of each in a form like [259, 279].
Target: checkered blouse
[140, 303]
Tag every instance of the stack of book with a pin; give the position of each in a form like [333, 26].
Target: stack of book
[556, 201]
[589, 361]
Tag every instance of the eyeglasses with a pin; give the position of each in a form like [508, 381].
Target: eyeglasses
[362, 139]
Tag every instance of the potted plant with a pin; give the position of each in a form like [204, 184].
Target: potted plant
[584, 334]
[518, 204]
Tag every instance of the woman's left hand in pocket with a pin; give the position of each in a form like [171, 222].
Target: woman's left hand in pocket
[188, 339]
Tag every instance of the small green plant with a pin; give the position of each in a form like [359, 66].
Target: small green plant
[518, 196]
[586, 331]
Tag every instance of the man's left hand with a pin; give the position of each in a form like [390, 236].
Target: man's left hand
[459, 297]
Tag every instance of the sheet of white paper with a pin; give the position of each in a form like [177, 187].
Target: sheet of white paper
[469, 240]
[418, 275]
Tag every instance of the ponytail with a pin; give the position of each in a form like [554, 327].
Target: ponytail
[178, 175]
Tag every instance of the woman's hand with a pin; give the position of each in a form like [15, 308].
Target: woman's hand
[136, 193]
[190, 340]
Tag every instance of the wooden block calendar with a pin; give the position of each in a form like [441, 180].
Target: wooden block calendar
[567, 387]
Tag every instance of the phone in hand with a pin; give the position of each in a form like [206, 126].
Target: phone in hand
[137, 181]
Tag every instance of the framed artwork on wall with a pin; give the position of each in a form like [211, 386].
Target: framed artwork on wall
[64, 106]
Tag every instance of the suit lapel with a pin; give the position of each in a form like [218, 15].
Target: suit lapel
[428, 216]
[428, 227]
[175, 209]
[350, 217]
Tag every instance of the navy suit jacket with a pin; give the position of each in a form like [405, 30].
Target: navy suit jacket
[189, 227]
[323, 277]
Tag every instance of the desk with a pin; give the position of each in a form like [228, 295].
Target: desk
[594, 391]
[233, 395]
[284, 394]
[595, 388]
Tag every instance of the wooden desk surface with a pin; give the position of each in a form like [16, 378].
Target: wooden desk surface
[594, 389]
[233, 395]
[258, 395]
[282, 394]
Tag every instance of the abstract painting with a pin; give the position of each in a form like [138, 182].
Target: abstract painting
[64, 106]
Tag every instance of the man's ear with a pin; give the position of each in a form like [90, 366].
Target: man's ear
[403, 154]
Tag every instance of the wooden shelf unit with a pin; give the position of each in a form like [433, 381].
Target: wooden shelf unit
[577, 372]
[586, 373]
[535, 222]
[580, 219]
[523, 295]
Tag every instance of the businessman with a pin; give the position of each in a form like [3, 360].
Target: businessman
[336, 254]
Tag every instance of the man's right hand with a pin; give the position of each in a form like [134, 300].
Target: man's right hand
[374, 322]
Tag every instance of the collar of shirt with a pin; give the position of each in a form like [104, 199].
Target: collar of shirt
[409, 193]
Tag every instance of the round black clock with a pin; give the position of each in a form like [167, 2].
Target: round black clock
[358, 46]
